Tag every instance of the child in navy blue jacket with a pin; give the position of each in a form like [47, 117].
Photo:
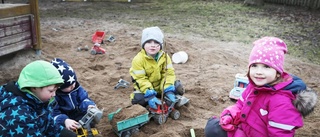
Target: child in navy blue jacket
[73, 100]
[26, 105]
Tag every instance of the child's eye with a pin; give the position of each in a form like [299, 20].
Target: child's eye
[254, 65]
[266, 66]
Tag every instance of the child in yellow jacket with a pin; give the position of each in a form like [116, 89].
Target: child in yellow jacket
[152, 71]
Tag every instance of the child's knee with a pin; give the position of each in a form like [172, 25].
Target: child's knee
[138, 98]
[213, 129]
[179, 87]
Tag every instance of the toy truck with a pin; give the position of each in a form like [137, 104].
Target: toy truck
[127, 127]
[92, 117]
[240, 84]
[98, 37]
[167, 109]
[97, 49]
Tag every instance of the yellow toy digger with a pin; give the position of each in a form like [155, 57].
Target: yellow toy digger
[87, 123]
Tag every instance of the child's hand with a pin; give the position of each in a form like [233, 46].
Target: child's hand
[171, 96]
[71, 124]
[226, 122]
[169, 92]
[153, 102]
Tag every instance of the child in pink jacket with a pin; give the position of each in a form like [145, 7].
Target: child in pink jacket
[273, 104]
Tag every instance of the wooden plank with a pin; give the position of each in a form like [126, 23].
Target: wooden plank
[12, 30]
[9, 40]
[2, 32]
[10, 21]
[11, 11]
[15, 47]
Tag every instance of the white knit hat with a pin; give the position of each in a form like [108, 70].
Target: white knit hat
[152, 33]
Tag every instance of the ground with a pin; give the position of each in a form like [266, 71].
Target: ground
[207, 76]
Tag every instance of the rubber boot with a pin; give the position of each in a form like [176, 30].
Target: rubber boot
[179, 88]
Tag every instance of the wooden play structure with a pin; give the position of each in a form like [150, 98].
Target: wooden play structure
[19, 27]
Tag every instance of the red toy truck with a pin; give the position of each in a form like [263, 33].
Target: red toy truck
[98, 37]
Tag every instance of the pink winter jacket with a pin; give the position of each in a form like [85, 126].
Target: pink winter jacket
[266, 112]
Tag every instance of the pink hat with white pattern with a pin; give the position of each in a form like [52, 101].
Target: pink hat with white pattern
[269, 51]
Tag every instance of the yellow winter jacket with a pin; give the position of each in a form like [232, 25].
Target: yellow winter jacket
[149, 73]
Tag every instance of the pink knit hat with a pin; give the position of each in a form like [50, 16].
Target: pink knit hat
[269, 51]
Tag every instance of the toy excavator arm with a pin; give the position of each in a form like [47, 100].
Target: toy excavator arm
[92, 117]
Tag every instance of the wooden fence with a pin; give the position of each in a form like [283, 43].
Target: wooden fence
[19, 27]
[314, 4]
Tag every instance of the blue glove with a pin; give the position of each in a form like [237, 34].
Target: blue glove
[153, 102]
[169, 92]
[150, 93]
[171, 96]
[171, 88]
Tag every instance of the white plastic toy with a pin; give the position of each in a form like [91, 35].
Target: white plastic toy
[240, 84]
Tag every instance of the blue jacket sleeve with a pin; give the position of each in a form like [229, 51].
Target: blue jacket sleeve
[53, 129]
[59, 118]
[85, 101]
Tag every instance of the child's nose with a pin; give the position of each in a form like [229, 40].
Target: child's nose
[259, 70]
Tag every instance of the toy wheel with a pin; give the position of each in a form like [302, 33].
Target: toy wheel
[135, 130]
[93, 52]
[160, 119]
[175, 114]
[125, 134]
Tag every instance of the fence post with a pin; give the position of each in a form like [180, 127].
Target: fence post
[34, 7]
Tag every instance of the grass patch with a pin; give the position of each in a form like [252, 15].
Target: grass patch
[219, 20]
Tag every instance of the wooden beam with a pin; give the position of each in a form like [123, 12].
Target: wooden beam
[34, 5]
[10, 10]
[11, 21]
